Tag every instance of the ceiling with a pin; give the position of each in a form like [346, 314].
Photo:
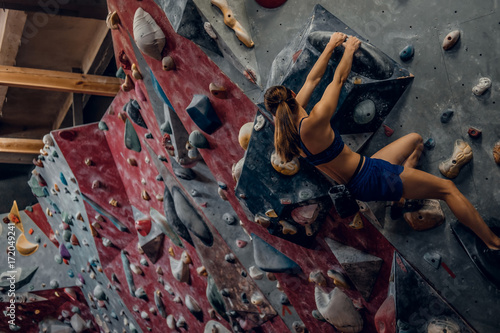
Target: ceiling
[77, 41]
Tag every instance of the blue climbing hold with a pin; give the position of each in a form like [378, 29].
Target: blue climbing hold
[407, 53]
[63, 179]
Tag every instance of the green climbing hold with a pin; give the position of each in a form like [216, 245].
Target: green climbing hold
[131, 139]
[103, 126]
[120, 73]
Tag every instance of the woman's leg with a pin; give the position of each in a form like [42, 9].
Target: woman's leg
[418, 184]
[404, 151]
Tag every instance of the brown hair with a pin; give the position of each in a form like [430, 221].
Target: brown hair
[282, 104]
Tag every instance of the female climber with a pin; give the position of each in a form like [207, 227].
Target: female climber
[388, 175]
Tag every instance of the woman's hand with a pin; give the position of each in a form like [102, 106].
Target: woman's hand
[352, 43]
[337, 39]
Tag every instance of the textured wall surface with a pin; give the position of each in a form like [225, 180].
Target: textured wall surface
[167, 224]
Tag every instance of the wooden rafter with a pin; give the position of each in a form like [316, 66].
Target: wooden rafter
[59, 81]
[11, 28]
[95, 9]
[20, 146]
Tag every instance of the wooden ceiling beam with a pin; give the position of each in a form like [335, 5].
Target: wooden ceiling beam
[95, 9]
[20, 146]
[11, 29]
[59, 81]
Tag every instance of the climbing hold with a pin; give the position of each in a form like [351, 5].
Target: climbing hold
[255, 273]
[136, 269]
[429, 143]
[159, 303]
[181, 322]
[217, 91]
[433, 259]
[474, 132]
[361, 268]
[120, 226]
[337, 309]
[171, 322]
[357, 222]
[128, 84]
[288, 228]
[136, 74]
[131, 139]
[120, 74]
[148, 36]
[215, 298]
[180, 268]
[269, 259]
[192, 305]
[161, 221]
[245, 135]
[63, 251]
[133, 109]
[259, 123]
[425, 214]
[271, 213]
[364, 112]
[317, 277]
[338, 279]
[284, 299]
[305, 214]
[446, 116]
[270, 3]
[241, 243]
[25, 247]
[143, 227]
[496, 153]
[385, 318]
[237, 168]
[462, 154]
[190, 217]
[387, 130]
[112, 20]
[263, 221]
[74, 240]
[99, 293]
[257, 299]
[141, 293]
[201, 271]
[289, 168]
[172, 218]
[168, 63]
[145, 195]
[443, 324]
[451, 39]
[483, 85]
[232, 23]
[198, 140]
[202, 113]
[407, 53]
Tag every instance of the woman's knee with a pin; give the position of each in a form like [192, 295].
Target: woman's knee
[416, 138]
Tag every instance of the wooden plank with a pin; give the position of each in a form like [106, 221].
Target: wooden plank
[20, 146]
[13, 158]
[63, 112]
[95, 9]
[11, 28]
[59, 81]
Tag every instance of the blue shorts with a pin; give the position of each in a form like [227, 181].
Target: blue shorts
[378, 180]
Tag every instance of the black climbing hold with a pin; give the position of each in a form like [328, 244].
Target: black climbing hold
[446, 116]
[133, 109]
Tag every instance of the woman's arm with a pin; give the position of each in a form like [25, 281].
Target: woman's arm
[316, 73]
[325, 108]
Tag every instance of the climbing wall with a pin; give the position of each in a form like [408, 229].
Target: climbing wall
[174, 214]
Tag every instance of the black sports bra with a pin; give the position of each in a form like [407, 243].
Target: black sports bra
[326, 155]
